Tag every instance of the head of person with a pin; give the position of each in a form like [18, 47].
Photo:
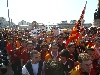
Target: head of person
[54, 47]
[53, 67]
[71, 47]
[64, 55]
[29, 38]
[60, 39]
[35, 56]
[20, 39]
[40, 42]
[23, 43]
[44, 46]
[91, 53]
[34, 40]
[14, 45]
[97, 40]
[10, 40]
[82, 43]
[85, 62]
[30, 46]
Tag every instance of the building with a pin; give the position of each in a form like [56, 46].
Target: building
[72, 25]
[65, 24]
[22, 22]
[4, 23]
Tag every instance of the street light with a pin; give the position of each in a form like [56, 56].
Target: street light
[8, 13]
[7, 3]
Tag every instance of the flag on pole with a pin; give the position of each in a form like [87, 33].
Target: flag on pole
[77, 29]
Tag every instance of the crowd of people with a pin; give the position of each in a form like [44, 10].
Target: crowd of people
[48, 54]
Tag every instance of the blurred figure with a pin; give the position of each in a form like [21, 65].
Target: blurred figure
[15, 60]
[34, 66]
[25, 54]
[44, 50]
[85, 65]
[96, 66]
[67, 62]
[53, 67]
[53, 54]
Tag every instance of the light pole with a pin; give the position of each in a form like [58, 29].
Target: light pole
[8, 13]
[7, 3]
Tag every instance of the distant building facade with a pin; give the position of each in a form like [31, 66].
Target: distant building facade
[65, 24]
[22, 22]
[27, 25]
[4, 23]
[72, 25]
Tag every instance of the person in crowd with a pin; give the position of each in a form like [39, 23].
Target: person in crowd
[34, 66]
[38, 48]
[23, 45]
[15, 59]
[97, 50]
[72, 50]
[3, 43]
[9, 45]
[61, 45]
[71, 47]
[44, 50]
[97, 46]
[81, 47]
[17, 41]
[67, 62]
[34, 40]
[53, 54]
[29, 38]
[96, 66]
[91, 53]
[85, 65]
[25, 54]
[53, 67]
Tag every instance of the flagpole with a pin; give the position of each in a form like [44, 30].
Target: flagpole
[8, 12]
[7, 3]
[86, 2]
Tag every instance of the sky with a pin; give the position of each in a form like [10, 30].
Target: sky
[47, 11]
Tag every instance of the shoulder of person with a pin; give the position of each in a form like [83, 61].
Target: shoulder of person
[70, 60]
[24, 51]
[47, 55]
[41, 51]
[74, 72]
[24, 70]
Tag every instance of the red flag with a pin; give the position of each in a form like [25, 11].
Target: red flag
[77, 29]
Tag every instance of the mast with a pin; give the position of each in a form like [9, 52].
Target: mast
[98, 3]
